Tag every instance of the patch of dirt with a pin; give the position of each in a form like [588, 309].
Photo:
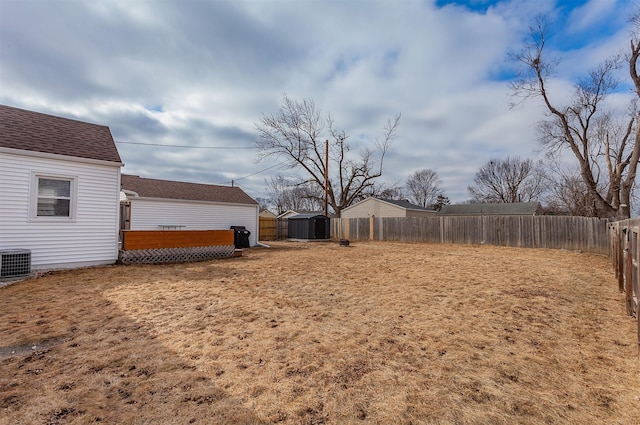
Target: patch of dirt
[29, 349]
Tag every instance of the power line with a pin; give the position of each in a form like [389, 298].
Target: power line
[257, 172]
[208, 147]
[186, 146]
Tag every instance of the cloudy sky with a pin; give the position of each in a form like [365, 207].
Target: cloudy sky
[197, 75]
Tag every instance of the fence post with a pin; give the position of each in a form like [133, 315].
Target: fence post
[371, 227]
[635, 287]
[620, 258]
[628, 271]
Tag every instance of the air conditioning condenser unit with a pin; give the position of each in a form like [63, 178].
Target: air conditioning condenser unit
[15, 263]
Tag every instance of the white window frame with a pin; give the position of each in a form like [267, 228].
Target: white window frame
[73, 199]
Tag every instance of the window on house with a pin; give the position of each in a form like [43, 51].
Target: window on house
[54, 197]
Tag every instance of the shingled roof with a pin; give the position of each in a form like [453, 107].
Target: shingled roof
[516, 208]
[34, 131]
[404, 203]
[167, 189]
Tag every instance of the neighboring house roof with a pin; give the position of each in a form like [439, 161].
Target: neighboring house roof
[517, 208]
[292, 213]
[34, 131]
[266, 213]
[288, 213]
[306, 216]
[404, 203]
[167, 189]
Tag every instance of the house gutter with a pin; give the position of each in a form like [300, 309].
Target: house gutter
[130, 192]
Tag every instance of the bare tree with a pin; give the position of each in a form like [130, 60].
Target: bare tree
[390, 192]
[509, 180]
[568, 195]
[381, 190]
[297, 134]
[287, 194]
[264, 203]
[582, 125]
[424, 187]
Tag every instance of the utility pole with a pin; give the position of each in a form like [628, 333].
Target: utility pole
[326, 178]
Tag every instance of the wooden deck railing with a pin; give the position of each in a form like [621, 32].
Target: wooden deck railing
[158, 239]
[173, 246]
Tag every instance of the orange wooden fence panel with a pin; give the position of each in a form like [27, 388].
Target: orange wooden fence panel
[157, 239]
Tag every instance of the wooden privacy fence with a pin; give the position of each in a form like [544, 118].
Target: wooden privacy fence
[282, 231]
[625, 257]
[560, 232]
[273, 229]
[171, 246]
[267, 228]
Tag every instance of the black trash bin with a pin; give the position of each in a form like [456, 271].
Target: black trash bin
[240, 236]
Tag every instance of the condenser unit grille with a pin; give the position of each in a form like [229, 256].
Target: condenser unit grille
[15, 262]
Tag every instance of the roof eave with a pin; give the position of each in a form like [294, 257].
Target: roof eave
[188, 201]
[56, 156]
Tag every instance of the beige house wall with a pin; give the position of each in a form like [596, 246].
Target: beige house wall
[375, 207]
[267, 214]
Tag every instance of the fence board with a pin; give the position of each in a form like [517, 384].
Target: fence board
[282, 232]
[625, 258]
[571, 233]
[268, 227]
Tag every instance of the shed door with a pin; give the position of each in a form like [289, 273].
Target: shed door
[320, 230]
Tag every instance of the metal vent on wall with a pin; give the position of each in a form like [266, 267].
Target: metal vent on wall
[15, 262]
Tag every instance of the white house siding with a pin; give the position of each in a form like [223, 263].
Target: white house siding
[372, 206]
[153, 214]
[90, 239]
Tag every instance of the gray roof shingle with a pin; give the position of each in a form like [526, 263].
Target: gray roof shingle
[517, 208]
[404, 203]
[167, 189]
[34, 131]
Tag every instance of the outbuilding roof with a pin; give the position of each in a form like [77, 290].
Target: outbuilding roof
[404, 203]
[167, 189]
[306, 216]
[38, 132]
[516, 208]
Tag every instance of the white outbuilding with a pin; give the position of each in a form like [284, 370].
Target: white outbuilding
[380, 207]
[153, 204]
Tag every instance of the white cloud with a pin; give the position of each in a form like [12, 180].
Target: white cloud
[202, 73]
[594, 11]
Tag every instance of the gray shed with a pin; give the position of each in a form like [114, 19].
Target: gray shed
[309, 226]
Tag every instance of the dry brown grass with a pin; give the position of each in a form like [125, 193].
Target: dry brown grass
[316, 333]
